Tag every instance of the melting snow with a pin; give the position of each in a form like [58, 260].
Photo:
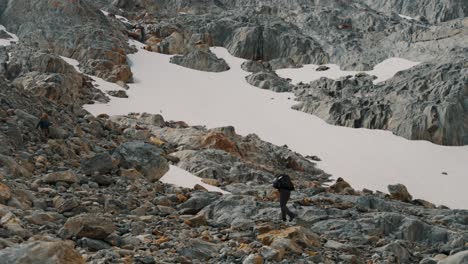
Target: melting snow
[384, 71]
[8, 41]
[182, 178]
[366, 158]
[121, 18]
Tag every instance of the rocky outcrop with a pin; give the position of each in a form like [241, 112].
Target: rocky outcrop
[98, 43]
[426, 102]
[269, 81]
[436, 11]
[142, 156]
[201, 60]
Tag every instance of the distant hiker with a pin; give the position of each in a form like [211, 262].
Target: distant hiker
[284, 185]
[44, 125]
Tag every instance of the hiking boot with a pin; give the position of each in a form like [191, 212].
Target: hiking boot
[291, 218]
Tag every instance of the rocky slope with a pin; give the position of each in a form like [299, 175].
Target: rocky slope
[353, 34]
[91, 193]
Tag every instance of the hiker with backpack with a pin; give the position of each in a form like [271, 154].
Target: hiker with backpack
[44, 125]
[284, 185]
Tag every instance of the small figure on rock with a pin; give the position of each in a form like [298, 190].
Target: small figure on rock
[284, 185]
[44, 125]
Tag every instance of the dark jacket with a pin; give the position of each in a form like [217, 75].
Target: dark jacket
[43, 124]
[283, 182]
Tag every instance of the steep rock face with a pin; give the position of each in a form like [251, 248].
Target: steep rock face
[201, 60]
[427, 102]
[72, 29]
[434, 11]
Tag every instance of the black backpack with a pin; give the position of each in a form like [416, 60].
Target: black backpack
[283, 182]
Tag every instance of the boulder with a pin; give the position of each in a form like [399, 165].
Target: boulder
[199, 249]
[65, 203]
[41, 252]
[61, 176]
[87, 225]
[269, 81]
[253, 259]
[399, 192]
[100, 163]
[144, 157]
[201, 60]
[292, 239]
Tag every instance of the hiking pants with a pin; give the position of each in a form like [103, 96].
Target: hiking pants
[284, 197]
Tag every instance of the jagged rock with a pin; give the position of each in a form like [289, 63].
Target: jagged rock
[41, 252]
[445, 10]
[420, 103]
[92, 244]
[199, 249]
[269, 81]
[87, 225]
[400, 252]
[399, 192]
[65, 204]
[10, 166]
[197, 202]
[13, 224]
[173, 44]
[322, 68]
[118, 93]
[256, 66]
[100, 163]
[53, 26]
[201, 60]
[61, 176]
[144, 157]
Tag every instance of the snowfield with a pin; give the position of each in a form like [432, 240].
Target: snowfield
[7, 42]
[366, 158]
[384, 71]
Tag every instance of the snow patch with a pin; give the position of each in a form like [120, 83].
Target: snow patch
[366, 158]
[8, 41]
[121, 18]
[98, 82]
[384, 71]
[406, 17]
[182, 178]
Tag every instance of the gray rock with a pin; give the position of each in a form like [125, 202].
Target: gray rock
[144, 157]
[269, 81]
[87, 225]
[199, 249]
[100, 163]
[399, 192]
[53, 27]
[400, 252]
[41, 252]
[118, 94]
[201, 60]
[61, 176]
[197, 202]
